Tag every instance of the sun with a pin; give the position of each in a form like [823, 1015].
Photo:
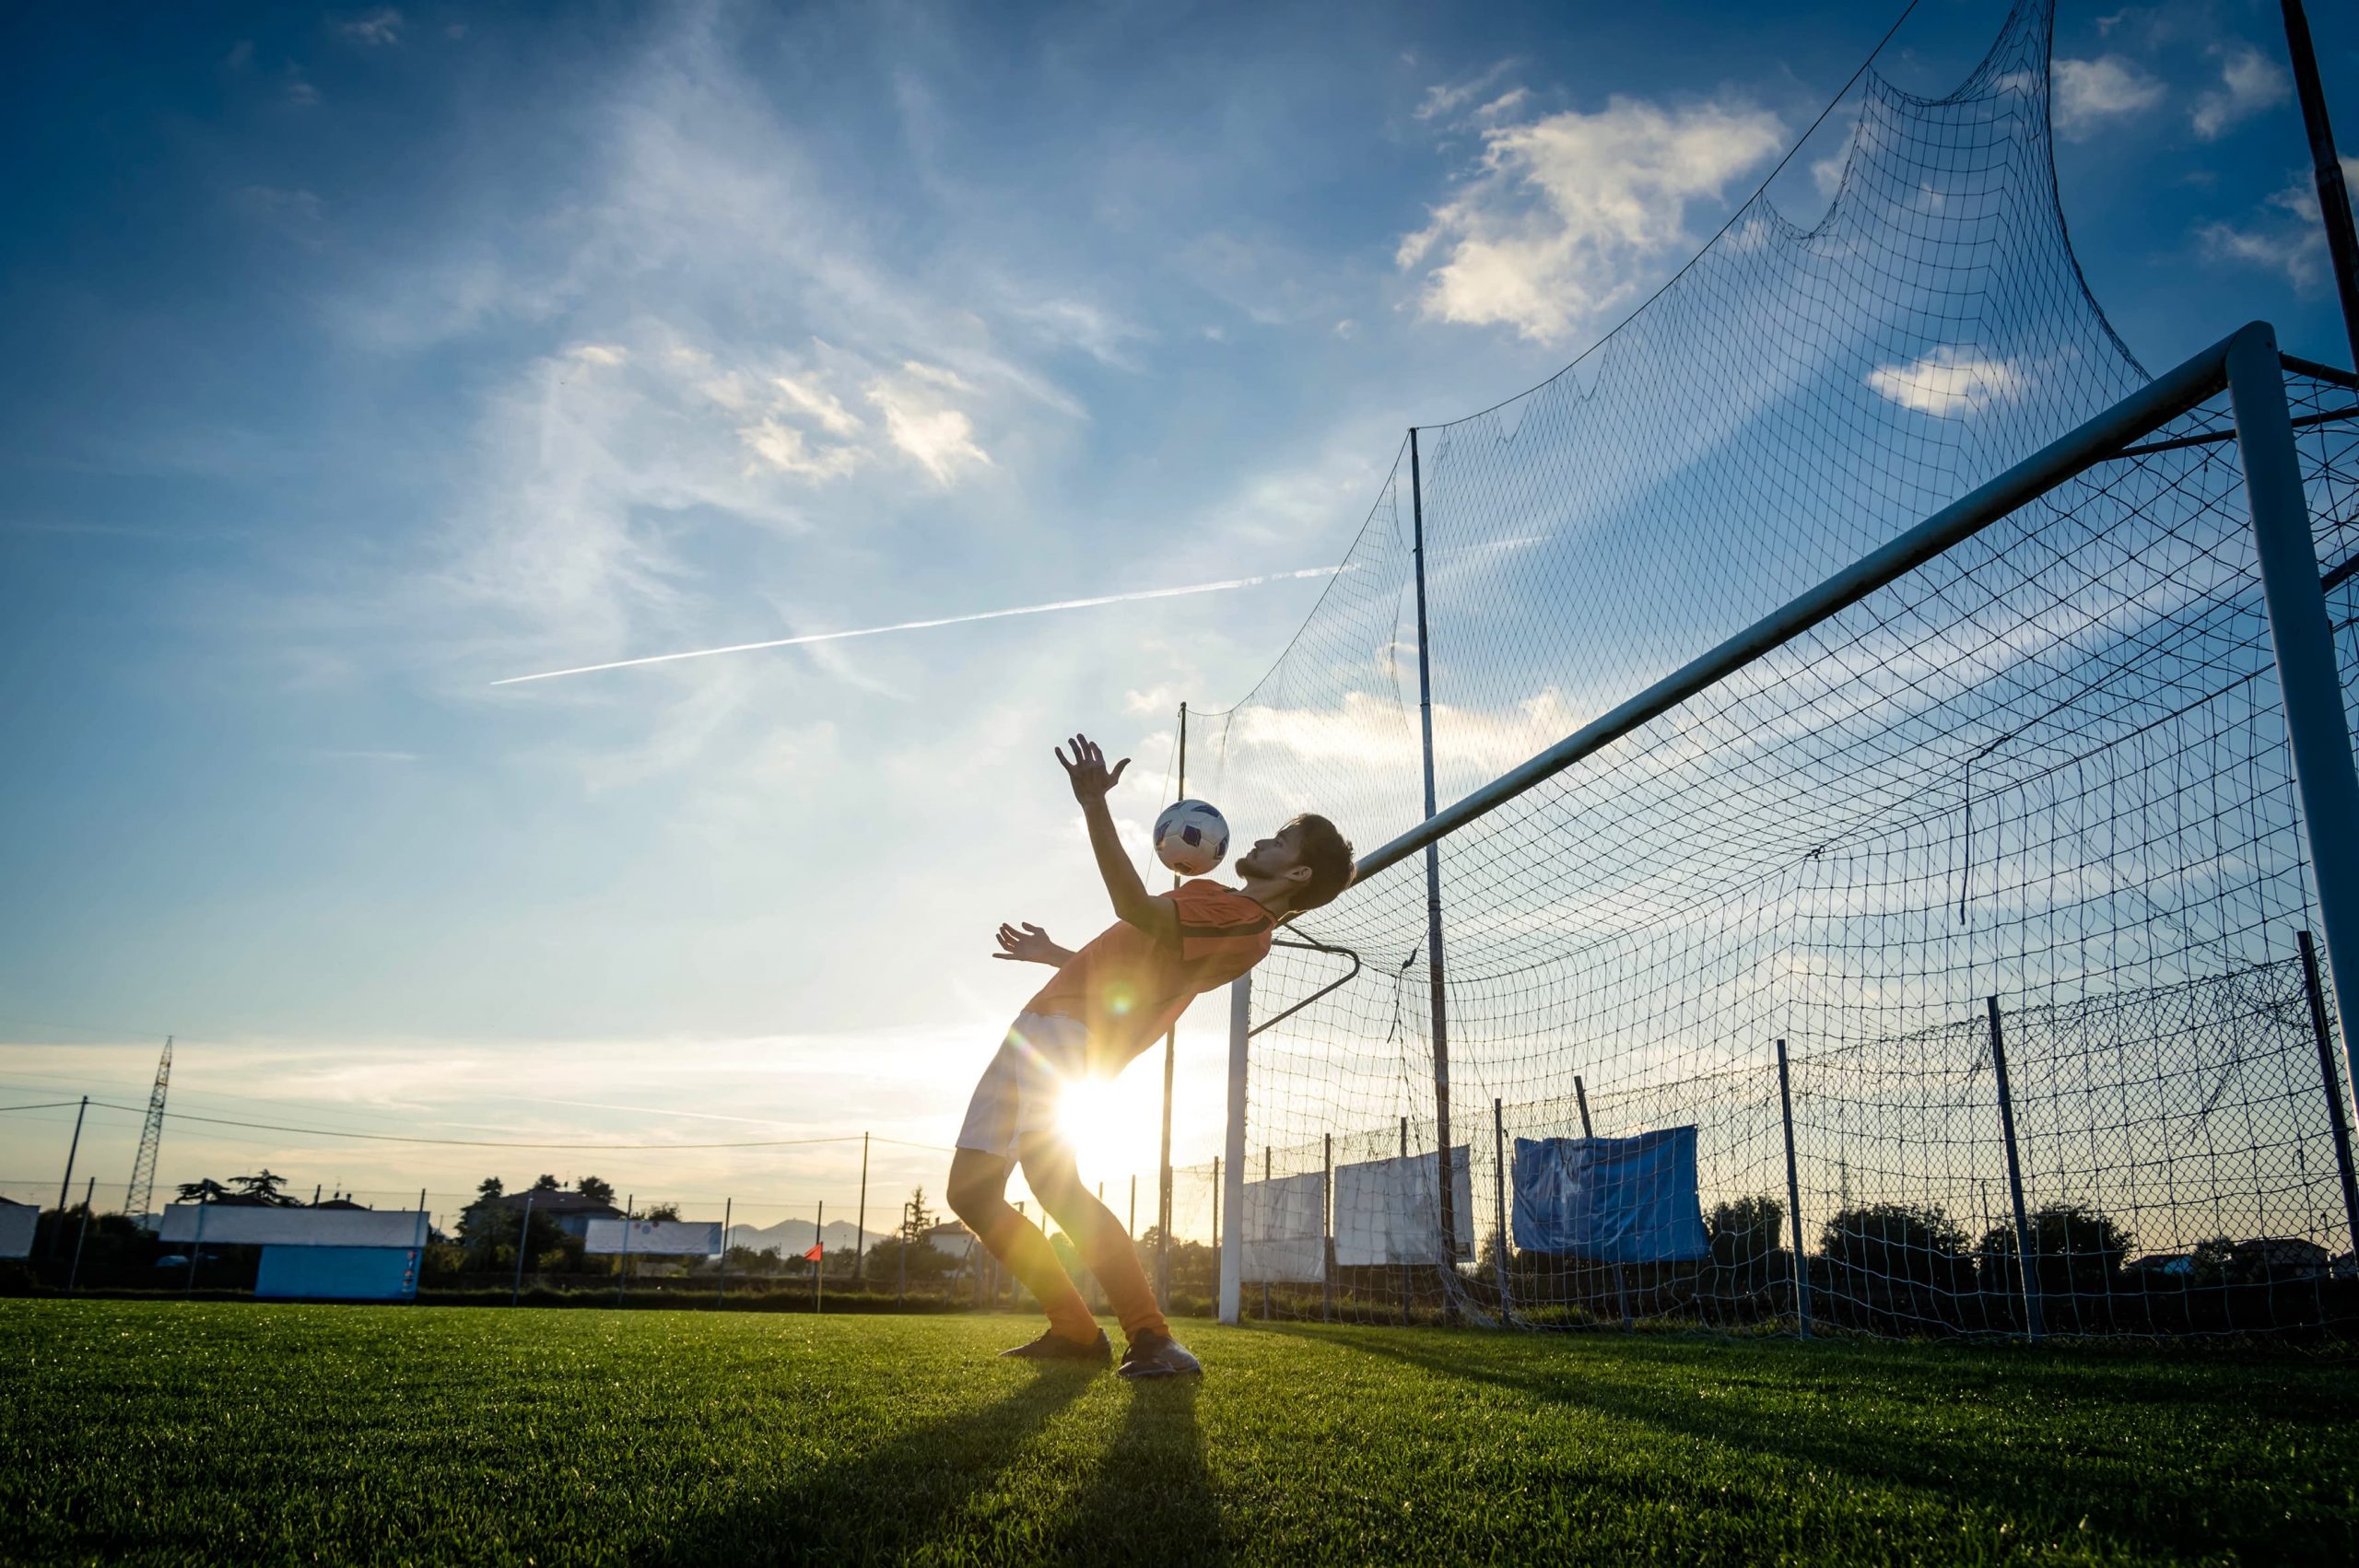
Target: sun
[1115, 1128]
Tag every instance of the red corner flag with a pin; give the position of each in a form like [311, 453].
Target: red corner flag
[817, 1254]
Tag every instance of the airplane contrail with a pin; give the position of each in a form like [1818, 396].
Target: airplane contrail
[940, 621]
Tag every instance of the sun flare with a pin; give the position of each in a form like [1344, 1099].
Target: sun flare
[1115, 1128]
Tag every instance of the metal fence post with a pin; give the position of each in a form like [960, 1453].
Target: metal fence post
[860, 1227]
[728, 1209]
[1793, 1196]
[1408, 1270]
[196, 1250]
[622, 1267]
[524, 1240]
[2320, 734]
[65, 1182]
[819, 1270]
[2035, 1324]
[2336, 1119]
[1265, 1192]
[1327, 1229]
[1438, 995]
[74, 1273]
[1499, 1185]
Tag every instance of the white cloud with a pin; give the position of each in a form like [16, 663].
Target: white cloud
[1826, 173]
[1096, 331]
[2090, 91]
[2250, 82]
[1568, 218]
[601, 354]
[923, 426]
[786, 448]
[1446, 99]
[2285, 238]
[1948, 382]
[376, 30]
[820, 403]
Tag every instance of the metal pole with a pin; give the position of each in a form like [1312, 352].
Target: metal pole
[859, 1230]
[1580, 1098]
[1265, 1188]
[901, 1286]
[1232, 1241]
[622, 1268]
[524, 1239]
[1499, 1191]
[2334, 196]
[65, 1183]
[196, 1251]
[1408, 1286]
[1437, 996]
[2033, 1319]
[425, 1234]
[1326, 1231]
[1793, 1198]
[1170, 1059]
[819, 1270]
[2336, 1119]
[81, 1235]
[1222, 1254]
[720, 1291]
[2307, 674]
[2163, 398]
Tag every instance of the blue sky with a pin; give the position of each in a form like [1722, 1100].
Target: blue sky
[364, 356]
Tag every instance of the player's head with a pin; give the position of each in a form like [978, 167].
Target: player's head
[1308, 856]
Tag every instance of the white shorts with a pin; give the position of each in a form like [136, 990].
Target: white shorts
[1024, 1086]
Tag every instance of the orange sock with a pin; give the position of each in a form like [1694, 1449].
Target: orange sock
[1107, 1248]
[1017, 1242]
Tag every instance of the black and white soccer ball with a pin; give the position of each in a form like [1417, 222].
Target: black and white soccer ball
[1191, 838]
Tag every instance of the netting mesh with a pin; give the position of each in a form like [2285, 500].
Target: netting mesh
[2047, 767]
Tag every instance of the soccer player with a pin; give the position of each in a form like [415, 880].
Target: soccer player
[1104, 1005]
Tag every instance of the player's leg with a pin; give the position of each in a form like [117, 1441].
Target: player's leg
[1050, 1172]
[976, 1192]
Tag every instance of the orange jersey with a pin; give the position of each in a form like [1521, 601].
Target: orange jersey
[1126, 988]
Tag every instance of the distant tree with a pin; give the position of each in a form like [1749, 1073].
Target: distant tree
[2075, 1250]
[264, 1185]
[206, 1191]
[1904, 1243]
[917, 1219]
[1744, 1231]
[595, 1190]
[545, 1183]
[489, 1189]
[2213, 1261]
[659, 1211]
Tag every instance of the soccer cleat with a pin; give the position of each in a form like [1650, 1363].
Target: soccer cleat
[1158, 1356]
[1053, 1346]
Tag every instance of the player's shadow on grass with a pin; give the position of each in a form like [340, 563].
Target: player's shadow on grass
[1954, 1466]
[880, 1504]
[1150, 1499]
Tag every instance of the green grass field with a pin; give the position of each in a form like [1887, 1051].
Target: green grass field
[260, 1434]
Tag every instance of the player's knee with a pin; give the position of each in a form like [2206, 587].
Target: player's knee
[974, 1198]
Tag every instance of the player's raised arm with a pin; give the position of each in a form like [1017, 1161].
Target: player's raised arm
[1091, 779]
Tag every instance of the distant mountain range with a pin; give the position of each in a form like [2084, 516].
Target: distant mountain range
[792, 1237]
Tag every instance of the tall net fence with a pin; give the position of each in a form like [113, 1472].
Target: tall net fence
[2027, 813]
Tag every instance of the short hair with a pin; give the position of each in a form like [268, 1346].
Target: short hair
[1328, 854]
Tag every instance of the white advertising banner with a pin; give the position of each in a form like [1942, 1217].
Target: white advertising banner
[234, 1224]
[659, 1238]
[16, 1224]
[1384, 1210]
[1285, 1229]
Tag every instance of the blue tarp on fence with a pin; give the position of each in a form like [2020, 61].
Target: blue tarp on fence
[1613, 1200]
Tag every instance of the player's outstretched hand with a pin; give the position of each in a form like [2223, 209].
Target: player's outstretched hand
[1030, 945]
[1088, 771]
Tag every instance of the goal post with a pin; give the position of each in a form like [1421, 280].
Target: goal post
[2248, 366]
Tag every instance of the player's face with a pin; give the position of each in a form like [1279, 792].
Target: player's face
[1269, 856]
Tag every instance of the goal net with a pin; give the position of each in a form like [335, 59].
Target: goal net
[2027, 813]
